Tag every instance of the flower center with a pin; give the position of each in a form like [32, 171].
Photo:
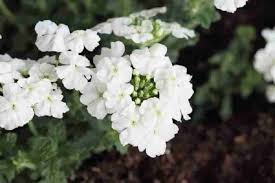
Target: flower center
[144, 88]
[13, 106]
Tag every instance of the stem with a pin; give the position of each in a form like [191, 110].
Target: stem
[33, 129]
[6, 12]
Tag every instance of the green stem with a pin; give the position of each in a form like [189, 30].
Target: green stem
[33, 129]
[6, 12]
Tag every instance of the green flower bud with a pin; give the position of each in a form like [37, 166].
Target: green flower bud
[138, 101]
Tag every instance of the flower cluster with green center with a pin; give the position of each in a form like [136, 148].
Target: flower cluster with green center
[144, 88]
[142, 28]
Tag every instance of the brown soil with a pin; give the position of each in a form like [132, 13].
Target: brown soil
[240, 150]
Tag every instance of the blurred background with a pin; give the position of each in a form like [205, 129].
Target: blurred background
[231, 137]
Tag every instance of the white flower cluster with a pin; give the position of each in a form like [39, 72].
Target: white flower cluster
[265, 62]
[142, 28]
[28, 89]
[57, 38]
[73, 69]
[229, 5]
[143, 92]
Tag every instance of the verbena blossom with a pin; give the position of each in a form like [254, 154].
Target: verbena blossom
[270, 93]
[51, 37]
[265, 62]
[51, 104]
[28, 89]
[79, 39]
[229, 5]
[143, 102]
[15, 109]
[57, 38]
[92, 96]
[73, 70]
[143, 28]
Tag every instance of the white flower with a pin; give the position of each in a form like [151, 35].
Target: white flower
[147, 60]
[154, 143]
[79, 39]
[174, 86]
[269, 35]
[74, 72]
[155, 110]
[120, 26]
[128, 124]
[117, 50]
[6, 73]
[270, 93]
[114, 68]
[162, 128]
[21, 67]
[118, 96]
[229, 5]
[141, 28]
[181, 32]
[43, 71]
[103, 28]
[51, 37]
[175, 29]
[33, 90]
[265, 63]
[15, 110]
[48, 60]
[13, 68]
[142, 33]
[92, 96]
[51, 104]
[143, 102]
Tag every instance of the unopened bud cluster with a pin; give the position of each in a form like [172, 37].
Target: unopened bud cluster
[144, 88]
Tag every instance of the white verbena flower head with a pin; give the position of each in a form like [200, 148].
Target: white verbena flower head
[15, 109]
[270, 93]
[13, 69]
[93, 97]
[51, 37]
[57, 38]
[147, 60]
[229, 5]
[34, 90]
[162, 130]
[118, 96]
[143, 28]
[74, 70]
[143, 95]
[174, 84]
[51, 104]
[265, 63]
[79, 39]
[43, 71]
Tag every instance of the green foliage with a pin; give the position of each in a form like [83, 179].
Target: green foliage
[193, 13]
[233, 75]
